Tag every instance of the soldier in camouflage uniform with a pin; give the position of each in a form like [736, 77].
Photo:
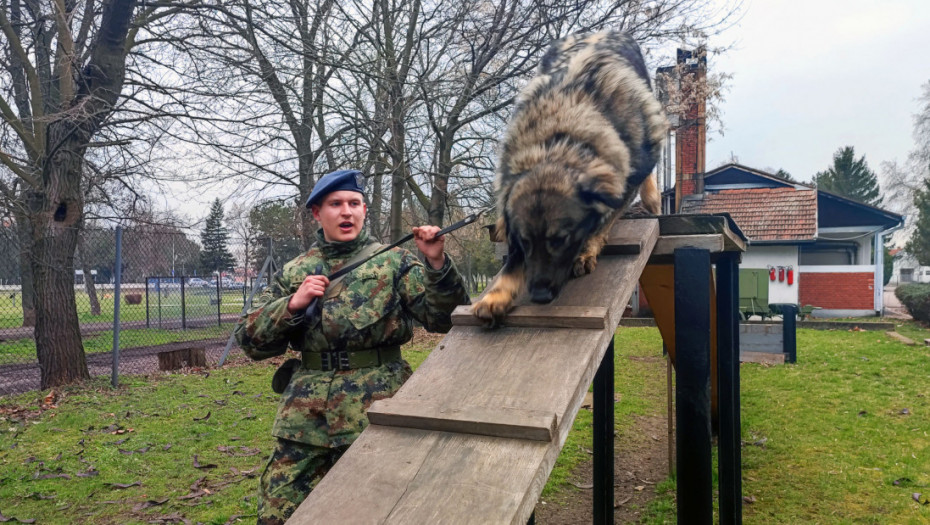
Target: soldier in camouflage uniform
[351, 353]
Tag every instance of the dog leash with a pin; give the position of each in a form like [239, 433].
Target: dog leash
[315, 303]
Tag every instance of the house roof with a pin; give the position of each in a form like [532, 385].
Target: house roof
[734, 176]
[773, 214]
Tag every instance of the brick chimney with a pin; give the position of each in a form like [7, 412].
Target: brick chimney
[681, 88]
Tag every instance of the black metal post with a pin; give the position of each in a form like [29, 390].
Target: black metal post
[729, 469]
[789, 314]
[604, 439]
[692, 388]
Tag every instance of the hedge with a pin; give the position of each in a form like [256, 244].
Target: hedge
[916, 298]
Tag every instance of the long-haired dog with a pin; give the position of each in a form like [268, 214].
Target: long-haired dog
[584, 137]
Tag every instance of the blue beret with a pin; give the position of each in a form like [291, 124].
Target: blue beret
[351, 180]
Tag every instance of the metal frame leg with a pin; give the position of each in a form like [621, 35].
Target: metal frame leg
[692, 389]
[604, 439]
[729, 471]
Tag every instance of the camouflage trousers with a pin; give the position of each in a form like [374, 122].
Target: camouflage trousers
[292, 471]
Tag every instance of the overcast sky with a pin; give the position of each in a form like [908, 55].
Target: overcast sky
[812, 76]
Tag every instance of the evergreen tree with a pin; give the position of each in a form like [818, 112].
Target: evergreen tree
[850, 178]
[275, 224]
[919, 244]
[215, 255]
[782, 174]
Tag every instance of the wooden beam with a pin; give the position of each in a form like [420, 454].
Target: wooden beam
[734, 240]
[535, 316]
[505, 422]
[666, 245]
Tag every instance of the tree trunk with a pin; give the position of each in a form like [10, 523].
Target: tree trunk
[58, 334]
[28, 299]
[440, 190]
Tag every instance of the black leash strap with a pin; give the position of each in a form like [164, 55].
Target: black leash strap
[314, 304]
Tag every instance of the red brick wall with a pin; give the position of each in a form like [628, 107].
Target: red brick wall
[837, 291]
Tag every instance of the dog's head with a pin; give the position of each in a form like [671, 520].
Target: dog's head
[548, 221]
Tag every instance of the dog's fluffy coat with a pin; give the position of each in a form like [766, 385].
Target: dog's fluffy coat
[584, 137]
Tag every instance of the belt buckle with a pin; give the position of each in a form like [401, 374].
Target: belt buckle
[326, 363]
[343, 360]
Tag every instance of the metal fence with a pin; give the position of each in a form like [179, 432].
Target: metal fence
[148, 296]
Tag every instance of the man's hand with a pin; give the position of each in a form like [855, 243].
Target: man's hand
[431, 246]
[313, 286]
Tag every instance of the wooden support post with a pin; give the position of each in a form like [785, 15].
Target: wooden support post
[729, 471]
[604, 439]
[692, 392]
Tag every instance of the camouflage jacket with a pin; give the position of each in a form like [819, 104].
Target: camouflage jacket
[374, 305]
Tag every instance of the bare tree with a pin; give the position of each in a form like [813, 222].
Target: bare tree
[413, 92]
[67, 68]
[901, 181]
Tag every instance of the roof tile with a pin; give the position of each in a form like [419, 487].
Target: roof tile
[764, 214]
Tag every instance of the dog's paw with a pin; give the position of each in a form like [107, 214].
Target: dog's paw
[584, 265]
[492, 309]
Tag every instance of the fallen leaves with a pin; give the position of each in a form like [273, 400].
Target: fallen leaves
[125, 485]
[198, 465]
[149, 503]
[5, 519]
[204, 418]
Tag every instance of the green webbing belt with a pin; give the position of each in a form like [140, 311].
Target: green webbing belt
[348, 360]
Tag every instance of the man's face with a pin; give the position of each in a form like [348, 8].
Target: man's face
[341, 214]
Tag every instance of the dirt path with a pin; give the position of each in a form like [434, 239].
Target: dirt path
[640, 461]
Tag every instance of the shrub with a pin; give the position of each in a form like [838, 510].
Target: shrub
[133, 298]
[916, 298]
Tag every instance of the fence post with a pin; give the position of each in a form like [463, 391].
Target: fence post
[183, 305]
[219, 300]
[147, 325]
[114, 376]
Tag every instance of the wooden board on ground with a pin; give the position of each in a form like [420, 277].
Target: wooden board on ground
[407, 475]
[762, 357]
[179, 358]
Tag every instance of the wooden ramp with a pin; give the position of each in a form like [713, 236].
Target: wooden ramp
[473, 435]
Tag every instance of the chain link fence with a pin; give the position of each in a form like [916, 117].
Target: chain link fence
[171, 312]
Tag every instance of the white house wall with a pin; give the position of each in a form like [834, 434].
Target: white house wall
[761, 256]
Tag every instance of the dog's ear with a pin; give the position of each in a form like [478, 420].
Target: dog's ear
[591, 194]
[597, 186]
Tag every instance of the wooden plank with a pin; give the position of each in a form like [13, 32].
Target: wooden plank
[625, 238]
[762, 357]
[581, 317]
[734, 240]
[668, 243]
[503, 422]
[423, 476]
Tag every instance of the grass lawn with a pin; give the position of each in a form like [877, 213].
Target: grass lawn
[841, 437]
[24, 350]
[164, 306]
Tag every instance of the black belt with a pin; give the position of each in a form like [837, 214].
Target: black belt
[348, 360]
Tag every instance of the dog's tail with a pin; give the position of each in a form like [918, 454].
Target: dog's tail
[650, 196]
